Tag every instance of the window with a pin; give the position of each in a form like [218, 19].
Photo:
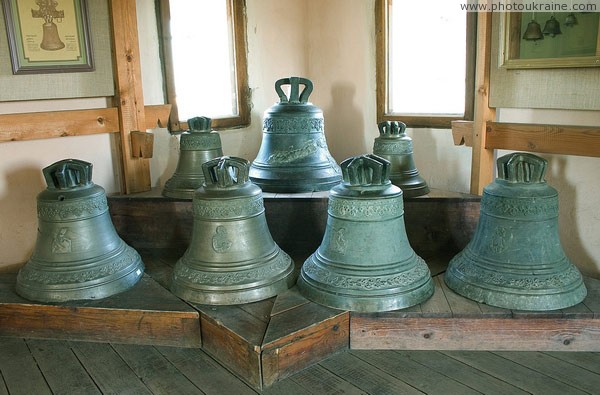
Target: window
[425, 62]
[204, 58]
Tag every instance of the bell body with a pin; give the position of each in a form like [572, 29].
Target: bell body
[78, 254]
[515, 259]
[395, 146]
[365, 262]
[293, 156]
[232, 258]
[50, 38]
[197, 146]
[533, 32]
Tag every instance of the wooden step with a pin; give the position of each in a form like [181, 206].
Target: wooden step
[449, 321]
[144, 314]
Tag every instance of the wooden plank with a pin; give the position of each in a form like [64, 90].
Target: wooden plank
[462, 133]
[482, 158]
[366, 376]
[288, 300]
[260, 310]
[44, 125]
[157, 115]
[3, 389]
[490, 334]
[129, 94]
[493, 311]
[301, 337]
[552, 139]
[578, 311]
[61, 368]
[204, 371]
[437, 305]
[564, 372]
[158, 374]
[461, 307]
[144, 314]
[465, 374]
[585, 360]
[110, 373]
[233, 337]
[414, 374]
[520, 376]
[19, 370]
[318, 380]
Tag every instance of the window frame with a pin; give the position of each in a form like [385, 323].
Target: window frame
[382, 74]
[236, 11]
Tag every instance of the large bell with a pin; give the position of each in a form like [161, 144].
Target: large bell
[232, 258]
[552, 27]
[293, 155]
[394, 145]
[365, 262]
[78, 254]
[197, 146]
[515, 259]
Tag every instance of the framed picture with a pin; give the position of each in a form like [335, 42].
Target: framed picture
[48, 36]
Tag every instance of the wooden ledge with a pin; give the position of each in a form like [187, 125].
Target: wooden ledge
[449, 321]
[145, 314]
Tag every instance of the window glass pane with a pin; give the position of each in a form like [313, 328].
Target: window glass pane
[203, 61]
[427, 58]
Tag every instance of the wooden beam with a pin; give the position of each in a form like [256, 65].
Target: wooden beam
[129, 94]
[44, 125]
[552, 139]
[482, 159]
[462, 133]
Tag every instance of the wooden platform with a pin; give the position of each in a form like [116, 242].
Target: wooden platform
[145, 314]
[448, 321]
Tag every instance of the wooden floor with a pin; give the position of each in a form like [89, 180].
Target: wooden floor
[39, 367]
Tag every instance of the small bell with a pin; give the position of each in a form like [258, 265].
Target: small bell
[394, 145]
[232, 258]
[515, 259]
[78, 254]
[293, 155]
[533, 32]
[571, 20]
[197, 146]
[365, 262]
[552, 27]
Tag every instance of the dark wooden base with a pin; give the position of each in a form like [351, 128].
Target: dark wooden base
[144, 314]
[450, 322]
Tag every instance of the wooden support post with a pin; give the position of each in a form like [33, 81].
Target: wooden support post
[482, 160]
[129, 94]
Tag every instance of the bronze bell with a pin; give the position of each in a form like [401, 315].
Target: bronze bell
[232, 258]
[293, 155]
[533, 32]
[571, 20]
[197, 146]
[78, 254]
[365, 262]
[515, 259]
[394, 145]
[552, 27]
[50, 39]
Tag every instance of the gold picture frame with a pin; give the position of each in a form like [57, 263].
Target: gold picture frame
[575, 46]
[48, 36]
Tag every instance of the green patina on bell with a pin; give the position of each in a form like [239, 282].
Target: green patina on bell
[293, 155]
[515, 259]
[232, 258]
[365, 262]
[78, 254]
[197, 146]
[394, 145]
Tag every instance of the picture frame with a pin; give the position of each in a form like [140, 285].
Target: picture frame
[573, 46]
[48, 36]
